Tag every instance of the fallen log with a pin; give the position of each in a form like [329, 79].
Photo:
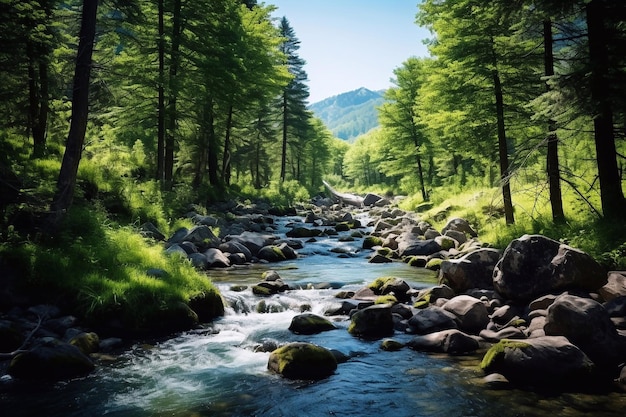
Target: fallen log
[344, 198]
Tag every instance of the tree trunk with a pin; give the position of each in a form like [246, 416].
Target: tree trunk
[80, 109]
[283, 157]
[160, 172]
[38, 101]
[170, 141]
[552, 159]
[611, 193]
[226, 159]
[209, 131]
[503, 150]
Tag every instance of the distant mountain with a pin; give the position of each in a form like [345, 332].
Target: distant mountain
[350, 114]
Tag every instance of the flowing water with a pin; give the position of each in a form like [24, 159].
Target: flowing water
[220, 370]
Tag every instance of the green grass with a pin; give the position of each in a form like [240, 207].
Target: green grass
[483, 208]
[99, 271]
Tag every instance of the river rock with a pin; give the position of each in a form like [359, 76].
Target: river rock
[379, 259]
[411, 246]
[310, 324]
[509, 332]
[266, 288]
[300, 232]
[253, 241]
[203, 237]
[587, 325]
[271, 253]
[198, 260]
[471, 313]
[302, 361]
[535, 265]
[216, 258]
[176, 249]
[11, 337]
[50, 360]
[391, 285]
[178, 236]
[149, 230]
[459, 225]
[372, 322]
[371, 199]
[234, 247]
[288, 250]
[87, 342]
[473, 270]
[615, 286]
[432, 319]
[543, 361]
[450, 341]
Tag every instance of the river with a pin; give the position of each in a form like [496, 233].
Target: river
[220, 370]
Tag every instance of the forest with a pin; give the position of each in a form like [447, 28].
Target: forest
[116, 113]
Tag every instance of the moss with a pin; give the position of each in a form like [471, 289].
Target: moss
[497, 351]
[416, 261]
[386, 299]
[434, 264]
[262, 291]
[302, 361]
[379, 283]
[279, 253]
[370, 241]
[421, 304]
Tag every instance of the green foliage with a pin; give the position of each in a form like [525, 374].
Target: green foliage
[103, 272]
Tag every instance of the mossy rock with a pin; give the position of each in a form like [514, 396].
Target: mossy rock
[391, 345]
[420, 304]
[310, 324]
[386, 252]
[304, 361]
[496, 353]
[416, 261]
[208, 305]
[370, 241]
[372, 322]
[386, 299]
[272, 253]
[342, 227]
[434, 264]
[262, 291]
[86, 342]
[52, 360]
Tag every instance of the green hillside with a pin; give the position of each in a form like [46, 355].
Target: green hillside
[350, 114]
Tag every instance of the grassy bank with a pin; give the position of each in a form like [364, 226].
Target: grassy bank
[103, 272]
[482, 207]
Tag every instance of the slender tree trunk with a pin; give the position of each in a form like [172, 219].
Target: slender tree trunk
[226, 159]
[418, 161]
[611, 193]
[170, 141]
[38, 101]
[80, 109]
[283, 158]
[209, 121]
[257, 183]
[160, 172]
[502, 150]
[552, 160]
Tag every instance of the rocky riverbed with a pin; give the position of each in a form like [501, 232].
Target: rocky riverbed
[540, 315]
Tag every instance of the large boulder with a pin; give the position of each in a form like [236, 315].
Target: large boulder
[432, 319]
[203, 237]
[372, 322]
[271, 253]
[51, 360]
[473, 270]
[308, 323]
[534, 265]
[450, 341]
[411, 246]
[459, 225]
[236, 247]
[253, 241]
[588, 325]
[216, 258]
[391, 285]
[471, 314]
[302, 361]
[542, 361]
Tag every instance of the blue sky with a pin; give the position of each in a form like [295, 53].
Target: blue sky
[349, 44]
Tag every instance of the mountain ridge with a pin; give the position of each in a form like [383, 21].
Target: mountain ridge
[350, 114]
